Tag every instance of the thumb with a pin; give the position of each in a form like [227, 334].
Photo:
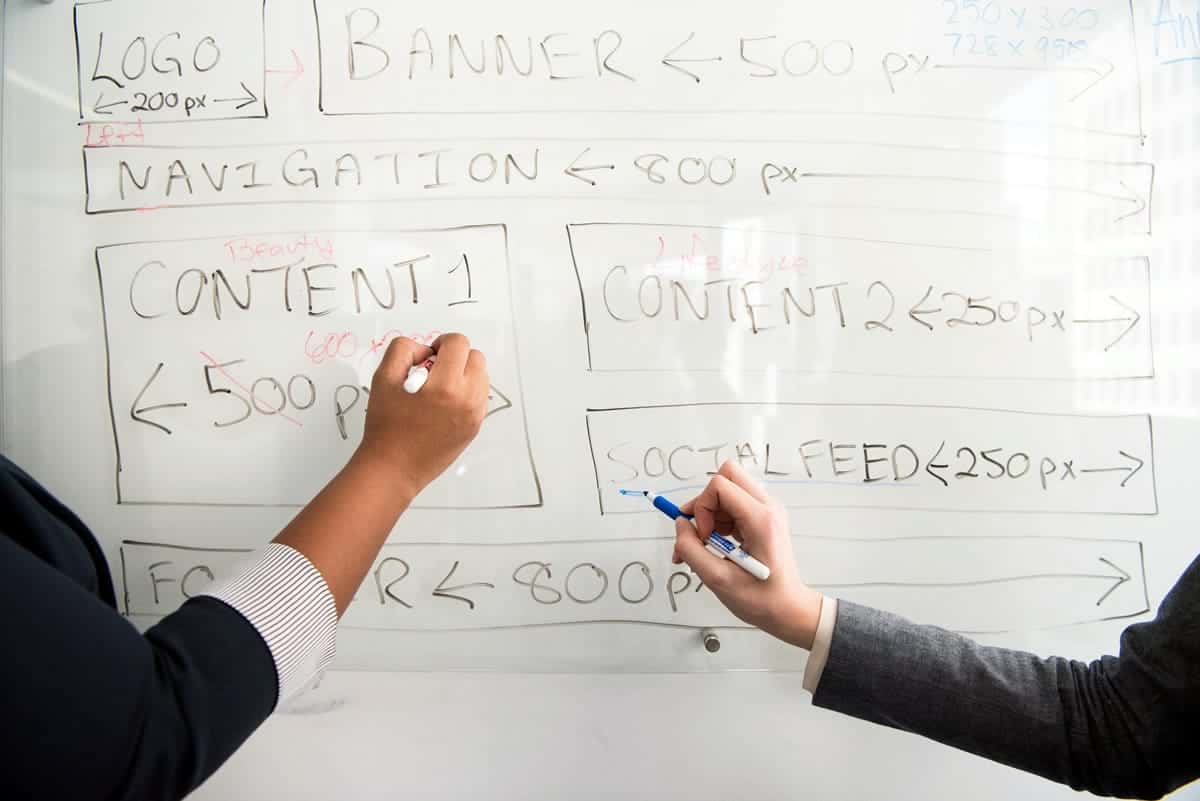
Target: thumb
[712, 570]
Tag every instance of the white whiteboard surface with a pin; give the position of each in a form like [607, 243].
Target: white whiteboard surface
[924, 268]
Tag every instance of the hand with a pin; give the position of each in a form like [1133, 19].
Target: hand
[417, 436]
[736, 506]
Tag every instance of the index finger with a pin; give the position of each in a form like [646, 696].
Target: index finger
[724, 497]
[452, 352]
[734, 471]
[401, 355]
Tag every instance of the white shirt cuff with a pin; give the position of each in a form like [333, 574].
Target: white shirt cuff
[288, 602]
[819, 655]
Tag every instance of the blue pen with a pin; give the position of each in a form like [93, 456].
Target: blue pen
[717, 544]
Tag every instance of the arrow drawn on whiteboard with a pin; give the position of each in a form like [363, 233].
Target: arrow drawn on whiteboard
[296, 70]
[442, 591]
[1128, 196]
[1138, 201]
[103, 108]
[496, 395]
[669, 59]
[574, 169]
[915, 311]
[1124, 578]
[243, 101]
[1078, 190]
[138, 413]
[1116, 581]
[1129, 471]
[1100, 76]
[1099, 73]
[1131, 320]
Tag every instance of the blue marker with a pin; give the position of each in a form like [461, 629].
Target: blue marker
[717, 544]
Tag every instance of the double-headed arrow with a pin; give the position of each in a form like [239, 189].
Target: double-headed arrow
[1130, 319]
[102, 109]
[497, 402]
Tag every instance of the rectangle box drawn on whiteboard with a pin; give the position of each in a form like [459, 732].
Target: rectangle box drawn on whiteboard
[812, 303]
[614, 59]
[239, 367]
[179, 63]
[880, 456]
[761, 176]
[971, 584]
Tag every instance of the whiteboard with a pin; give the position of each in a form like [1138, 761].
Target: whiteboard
[923, 268]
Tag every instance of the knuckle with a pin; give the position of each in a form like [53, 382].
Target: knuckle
[398, 345]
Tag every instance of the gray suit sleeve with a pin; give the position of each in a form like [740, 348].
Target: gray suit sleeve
[1126, 726]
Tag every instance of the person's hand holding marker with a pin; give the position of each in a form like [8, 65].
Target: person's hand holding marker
[415, 435]
[734, 505]
[408, 440]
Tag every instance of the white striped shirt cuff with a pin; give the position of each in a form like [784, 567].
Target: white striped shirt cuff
[819, 655]
[288, 602]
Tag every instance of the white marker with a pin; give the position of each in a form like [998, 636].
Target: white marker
[418, 374]
[717, 544]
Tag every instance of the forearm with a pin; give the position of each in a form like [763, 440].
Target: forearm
[341, 531]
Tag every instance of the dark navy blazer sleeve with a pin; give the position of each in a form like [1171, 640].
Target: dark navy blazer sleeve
[93, 709]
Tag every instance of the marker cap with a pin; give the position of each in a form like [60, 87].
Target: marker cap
[416, 379]
[751, 565]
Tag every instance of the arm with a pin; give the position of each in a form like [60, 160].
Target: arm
[93, 709]
[1119, 726]
[1124, 726]
[407, 443]
[295, 592]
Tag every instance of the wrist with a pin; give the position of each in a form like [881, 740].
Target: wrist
[380, 468]
[800, 621]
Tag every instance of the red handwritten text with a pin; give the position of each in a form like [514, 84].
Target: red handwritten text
[349, 346]
[251, 250]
